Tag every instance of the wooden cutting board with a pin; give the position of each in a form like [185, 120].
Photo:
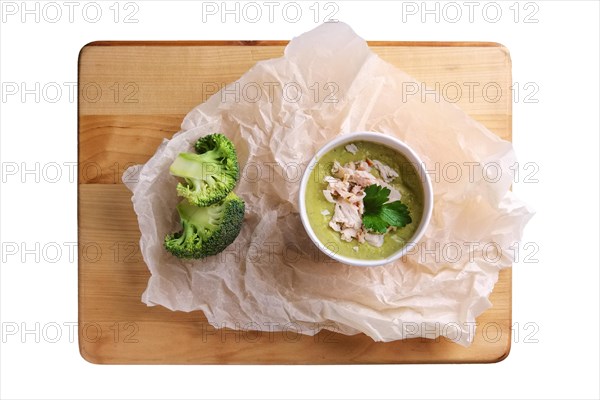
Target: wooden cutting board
[132, 95]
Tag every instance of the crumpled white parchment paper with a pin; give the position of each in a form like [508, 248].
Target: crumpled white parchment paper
[272, 277]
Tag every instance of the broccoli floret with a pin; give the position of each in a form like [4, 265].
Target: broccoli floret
[209, 175]
[206, 231]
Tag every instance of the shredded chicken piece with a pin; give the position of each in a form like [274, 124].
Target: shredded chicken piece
[364, 166]
[387, 173]
[330, 179]
[325, 212]
[340, 188]
[333, 225]
[374, 239]
[347, 215]
[394, 193]
[328, 196]
[361, 236]
[348, 234]
[351, 148]
[363, 178]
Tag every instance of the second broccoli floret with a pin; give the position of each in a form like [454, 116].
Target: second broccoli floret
[206, 231]
[211, 174]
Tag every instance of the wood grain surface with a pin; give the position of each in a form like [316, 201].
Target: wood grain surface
[132, 95]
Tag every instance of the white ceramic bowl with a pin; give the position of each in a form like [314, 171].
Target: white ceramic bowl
[394, 144]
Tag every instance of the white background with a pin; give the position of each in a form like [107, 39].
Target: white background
[559, 294]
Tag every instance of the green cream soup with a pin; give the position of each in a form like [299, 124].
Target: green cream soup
[408, 184]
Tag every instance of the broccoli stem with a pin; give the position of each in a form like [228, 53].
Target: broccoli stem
[196, 167]
[206, 217]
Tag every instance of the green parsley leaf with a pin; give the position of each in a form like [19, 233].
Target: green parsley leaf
[375, 197]
[379, 214]
[396, 214]
[374, 223]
